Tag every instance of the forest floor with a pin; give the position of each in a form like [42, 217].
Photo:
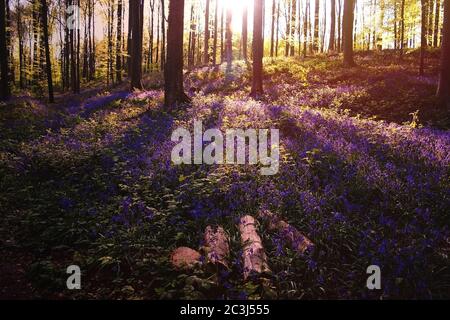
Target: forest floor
[363, 174]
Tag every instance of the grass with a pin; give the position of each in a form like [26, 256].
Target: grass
[92, 184]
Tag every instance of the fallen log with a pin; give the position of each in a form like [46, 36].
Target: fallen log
[185, 258]
[290, 234]
[216, 246]
[254, 257]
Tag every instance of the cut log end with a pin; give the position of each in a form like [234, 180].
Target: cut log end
[185, 258]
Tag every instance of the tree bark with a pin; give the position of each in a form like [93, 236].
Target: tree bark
[423, 37]
[173, 73]
[48, 65]
[443, 91]
[436, 23]
[4, 81]
[216, 22]
[253, 254]
[136, 17]
[21, 44]
[316, 27]
[293, 26]
[272, 30]
[206, 43]
[332, 26]
[244, 32]
[288, 28]
[349, 7]
[402, 31]
[229, 39]
[258, 47]
[163, 34]
[119, 42]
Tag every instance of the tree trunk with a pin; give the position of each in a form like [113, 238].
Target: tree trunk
[206, 43]
[402, 31]
[395, 26]
[339, 41]
[293, 25]
[333, 26]
[253, 254]
[244, 32]
[150, 35]
[423, 37]
[258, 47]
[191, 44]
[48, 66]
[158, 29]
[136, 18]
[222, 45]
[288, 28]
[305, 30]
[4, 81]
[272, 30]
[21, 44]
[173, 72]
[119, 42]
[277, 38]
[216, 22]
[229, 39]
[443, 91]
[163, 34]
[348, 32]
[316, 27]
[436, 23]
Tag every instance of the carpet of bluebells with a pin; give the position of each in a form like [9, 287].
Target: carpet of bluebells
[362, 174]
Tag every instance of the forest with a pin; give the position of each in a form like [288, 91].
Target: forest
[118, 127]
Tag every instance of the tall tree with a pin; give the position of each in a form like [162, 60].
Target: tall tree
[278, 30]
[4, 81]
[402, 31]
[436, 23]
[163, 34]
[150, 35]
[119, 42]
[216, 22]
[258, 47]
[339, 24]
[305, 29]
[192, 38]
[206, 43]
[21, 44]
[229, 38]
[244, 32]
[48, 65]
[315, 40]
[272, 30]
[136, 13]
[332, 26]
[173, 73]
[443, 91]
[349, 7]
[423, 37]
[288, 9]
[293, 26]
